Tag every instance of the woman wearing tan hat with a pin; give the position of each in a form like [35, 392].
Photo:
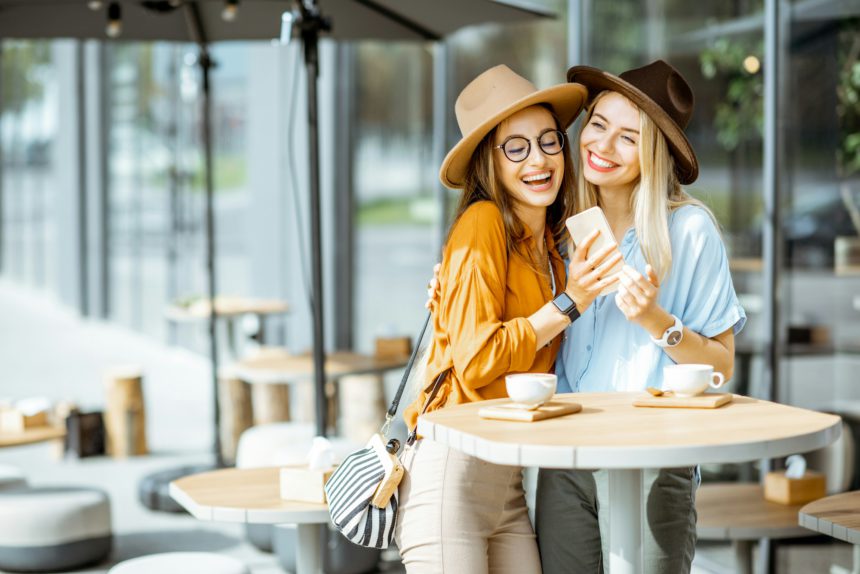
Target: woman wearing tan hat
[675, 304]
[504, 305]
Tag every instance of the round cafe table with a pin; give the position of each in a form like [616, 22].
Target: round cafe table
[253, 496]
[610, 433]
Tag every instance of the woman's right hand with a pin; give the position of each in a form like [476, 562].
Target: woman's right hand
[585, 275]
[433, 290]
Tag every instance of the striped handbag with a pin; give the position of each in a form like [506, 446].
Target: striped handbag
[362, 491]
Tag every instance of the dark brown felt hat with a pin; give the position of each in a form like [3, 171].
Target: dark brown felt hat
[661, 92]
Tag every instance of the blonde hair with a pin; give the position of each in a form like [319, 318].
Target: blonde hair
[656, 195]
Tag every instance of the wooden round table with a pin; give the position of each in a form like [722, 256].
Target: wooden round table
[837, 516]
[252, 496]
[31, 436]
[611, 433]
[738, 512]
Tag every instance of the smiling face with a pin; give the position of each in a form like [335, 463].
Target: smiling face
[609, 144]
[534, 182]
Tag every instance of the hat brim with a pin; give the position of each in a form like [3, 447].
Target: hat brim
[597, 80]
[566, 100]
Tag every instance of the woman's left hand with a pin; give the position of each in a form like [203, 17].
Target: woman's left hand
[637, 294]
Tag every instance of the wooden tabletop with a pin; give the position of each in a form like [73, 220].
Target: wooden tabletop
[277, 365]
[738, 511]
[30, 436]
[610, 432]
[250, 495]
[226, 306]
[837, 516]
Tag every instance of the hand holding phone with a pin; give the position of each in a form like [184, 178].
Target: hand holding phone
[581, 226]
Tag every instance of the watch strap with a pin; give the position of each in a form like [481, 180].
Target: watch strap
[671, 336]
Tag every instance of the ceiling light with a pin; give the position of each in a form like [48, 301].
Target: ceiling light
[752, 64]
[114, 25]
[231, 10]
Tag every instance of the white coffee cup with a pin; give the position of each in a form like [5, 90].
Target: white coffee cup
[689, 380]
[530, 388]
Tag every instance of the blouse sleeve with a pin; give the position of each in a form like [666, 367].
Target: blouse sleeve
[484, 347]
[710, 304]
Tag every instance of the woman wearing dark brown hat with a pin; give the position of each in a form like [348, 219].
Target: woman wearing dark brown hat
[675, 304]
[504, 304]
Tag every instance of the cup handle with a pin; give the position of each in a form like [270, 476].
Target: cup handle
[717, 380]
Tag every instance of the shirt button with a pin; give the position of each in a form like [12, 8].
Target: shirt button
[588, 347]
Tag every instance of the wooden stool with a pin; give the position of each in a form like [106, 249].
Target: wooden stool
[738, 512]
[237, 414]
[125, 415]
[361, 406]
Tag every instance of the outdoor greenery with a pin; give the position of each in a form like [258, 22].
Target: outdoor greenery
[740, 115]
[394, 211]
[848, 97]
[20, 67]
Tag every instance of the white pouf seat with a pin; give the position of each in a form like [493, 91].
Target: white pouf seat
[11, 477]
[277, 444]
[181, 563]
[53, 528]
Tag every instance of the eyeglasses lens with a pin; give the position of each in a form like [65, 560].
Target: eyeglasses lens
[551, 142]
[517, 149]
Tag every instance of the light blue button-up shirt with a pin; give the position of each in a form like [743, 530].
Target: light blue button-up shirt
[603, 351]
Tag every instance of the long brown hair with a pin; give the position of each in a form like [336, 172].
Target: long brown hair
[481, 184]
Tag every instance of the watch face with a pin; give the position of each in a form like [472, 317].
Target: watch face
[674, 338]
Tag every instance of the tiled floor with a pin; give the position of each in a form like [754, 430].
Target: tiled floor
[46, 351]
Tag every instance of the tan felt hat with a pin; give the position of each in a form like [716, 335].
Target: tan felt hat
[494, 96]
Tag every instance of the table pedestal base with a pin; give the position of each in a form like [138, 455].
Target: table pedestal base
[309, 549]
[625, 521]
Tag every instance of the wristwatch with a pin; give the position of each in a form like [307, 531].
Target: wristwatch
[672, 336]
[565, 304]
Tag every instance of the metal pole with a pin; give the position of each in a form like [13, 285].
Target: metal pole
[771, 232]
[2, 198]
[311, 26]
[440, 124]
[83, 221]
[195, 26]
[774, 32]
[205, 66]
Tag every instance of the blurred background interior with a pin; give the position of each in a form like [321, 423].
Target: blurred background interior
[102, 230]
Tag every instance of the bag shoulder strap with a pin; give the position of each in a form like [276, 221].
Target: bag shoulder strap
[395, 403]
[437, 384]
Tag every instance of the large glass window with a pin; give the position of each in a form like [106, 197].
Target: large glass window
[395, 173]
[29, 121]
[157, 197]
[394, 183]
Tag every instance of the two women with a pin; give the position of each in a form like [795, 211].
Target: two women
[675, 304]
[503, 305]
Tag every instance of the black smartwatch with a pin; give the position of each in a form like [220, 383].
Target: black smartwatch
[566, 306]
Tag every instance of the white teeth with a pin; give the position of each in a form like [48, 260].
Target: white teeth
[601, 162]
[536, 177]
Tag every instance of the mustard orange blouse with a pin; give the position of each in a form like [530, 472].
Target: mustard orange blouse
[480, 325]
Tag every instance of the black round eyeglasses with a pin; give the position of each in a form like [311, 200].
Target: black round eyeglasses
[518, 148]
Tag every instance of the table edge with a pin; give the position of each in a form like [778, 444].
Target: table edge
[625, 457]
[245, 515]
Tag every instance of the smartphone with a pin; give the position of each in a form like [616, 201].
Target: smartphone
[581, 225]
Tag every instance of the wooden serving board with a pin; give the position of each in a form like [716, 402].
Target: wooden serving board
[513, 412]
[704, 401]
